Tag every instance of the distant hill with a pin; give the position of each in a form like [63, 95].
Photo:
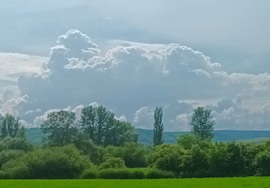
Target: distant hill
[34, 135]
[145, 136]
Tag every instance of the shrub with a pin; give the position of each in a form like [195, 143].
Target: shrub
[2, 175]
[7, 155]
[113, 163]
[158, 174]
[262, 163]
[195, 163]
[132, 153]
[137, 174]
[52, 163]
[114, 174]
[167, 157]
[90, 174]
[17, 143]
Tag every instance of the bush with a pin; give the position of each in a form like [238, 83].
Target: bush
[18, 171]
[113, 163]
[158, 174]
[167, 157]
[2, 175]
[90, 174]
[262, 163]
[137, 174]
[7, 155]
[114, 174]
[124, 173]
[133, 154]
[17, 143]
[52, 163]
[195, 163]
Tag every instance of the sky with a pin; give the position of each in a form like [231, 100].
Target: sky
[132, 57]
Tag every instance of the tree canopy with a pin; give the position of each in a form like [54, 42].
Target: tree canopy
[102, 127]
[10, 126]
[158, 127]
[59, 128]
[202, 123]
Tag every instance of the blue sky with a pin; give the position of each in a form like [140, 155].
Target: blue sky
[132, 57]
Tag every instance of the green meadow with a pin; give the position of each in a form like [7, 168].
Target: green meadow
[252, 182]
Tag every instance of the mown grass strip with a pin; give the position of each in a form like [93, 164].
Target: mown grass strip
[251, 182]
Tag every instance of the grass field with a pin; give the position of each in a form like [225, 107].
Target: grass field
[251, 182]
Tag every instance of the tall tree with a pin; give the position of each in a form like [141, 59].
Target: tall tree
[60, 128]
[158, 127]
[121, 133]
[105, 122]
[88, 121]
[97, 123]
[9, 126]
[102, 127]
[202, 123]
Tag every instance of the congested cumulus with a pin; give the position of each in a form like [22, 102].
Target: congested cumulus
[131, 79]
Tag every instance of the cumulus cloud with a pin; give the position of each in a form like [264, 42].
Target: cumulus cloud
[131, 79]
[144, 117]
[11, 102]
[183, 121]
[14, 65]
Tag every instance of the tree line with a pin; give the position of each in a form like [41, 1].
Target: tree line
[97, 145]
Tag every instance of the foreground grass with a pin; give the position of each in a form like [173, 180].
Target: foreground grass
[251, 182]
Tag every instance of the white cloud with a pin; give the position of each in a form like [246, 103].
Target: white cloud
[39, 119]
[144, 118]
[183, 122]
[14, 65]
[121, 118]
[133, 78]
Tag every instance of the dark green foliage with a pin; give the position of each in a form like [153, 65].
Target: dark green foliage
[202, 123]
[87, 146]
[158, 127]
[137, 174]
[123, 173]
[101, 127]
[2, 175]
[97, 122]
[12, 148]
[16, 143]
[113, 162]
[126, 173]
[159, 174]
[249, 152]
[90, 174]
[9, 154]
[59, 128]
[132, 153]
[123, 132]
[236, 160]
[195, 163]
[167, 157]
[262, 163]
[218, 160]
[115, 174]
[10, 126]
[51, 163]
[188, 140]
